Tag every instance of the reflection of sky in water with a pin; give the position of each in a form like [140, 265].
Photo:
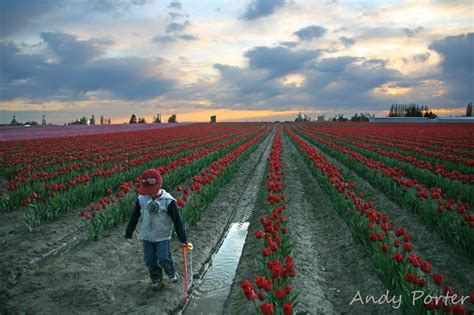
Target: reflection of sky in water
[214, 288]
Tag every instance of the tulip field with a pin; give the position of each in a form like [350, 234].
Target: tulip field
[402, 194]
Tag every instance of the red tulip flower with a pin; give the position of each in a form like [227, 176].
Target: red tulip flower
[280, 294]
[437, 278]
[407, 247]
[267, 309]
[421, 283]
[288, 308]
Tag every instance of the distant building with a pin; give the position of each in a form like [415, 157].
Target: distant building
[422, 119]
[43, 121]
[302, 117]
[213, 119]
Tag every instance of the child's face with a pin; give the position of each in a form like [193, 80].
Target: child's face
[157, 194]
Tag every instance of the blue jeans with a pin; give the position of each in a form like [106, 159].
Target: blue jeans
[157, 257]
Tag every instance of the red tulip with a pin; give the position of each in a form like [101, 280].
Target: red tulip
[399, 231]
[421, 283]
[437, 278]
[425, 266]
[259, 234]
[447, 290]
[280, 294]
[25, 201]
[398, 257]
[261, 296]
[458, 309]
[407, 247]
[266, 251]
[288, 308]
[267, 309]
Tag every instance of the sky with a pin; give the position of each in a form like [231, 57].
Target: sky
[240, 60]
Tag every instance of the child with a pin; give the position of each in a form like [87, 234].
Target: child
[158, 212]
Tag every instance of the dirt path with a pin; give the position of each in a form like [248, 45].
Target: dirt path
[456, 268]
[109, 276]
[21, 248]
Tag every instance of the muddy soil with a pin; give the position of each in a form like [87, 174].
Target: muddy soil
[332, 266]
[457, 268]
[107, 276]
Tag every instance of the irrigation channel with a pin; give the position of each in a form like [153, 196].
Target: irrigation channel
[211, 290]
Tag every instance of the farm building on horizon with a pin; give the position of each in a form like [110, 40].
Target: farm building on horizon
[422, 119]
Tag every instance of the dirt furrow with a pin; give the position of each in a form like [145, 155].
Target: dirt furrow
[109, 276]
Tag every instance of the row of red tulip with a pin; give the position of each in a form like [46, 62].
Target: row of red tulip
[442, 203]
[81, 168]
[50, 201]
[452, 142]
[392, 252]
[173, 173]
[374, 146]
[203, 186]
[273, 287]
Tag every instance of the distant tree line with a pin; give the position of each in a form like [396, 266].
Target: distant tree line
[410, 110]
[14, 122]
[355, 118]
[156, 119]
[91, 121]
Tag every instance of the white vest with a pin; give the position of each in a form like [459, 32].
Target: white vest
[155, 223]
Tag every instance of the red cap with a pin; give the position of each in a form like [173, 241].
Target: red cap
[150, 182]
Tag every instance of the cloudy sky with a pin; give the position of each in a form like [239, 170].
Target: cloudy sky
[241, 60]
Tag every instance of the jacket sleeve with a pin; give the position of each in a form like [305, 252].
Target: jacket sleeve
[177, 221]
[132, 223]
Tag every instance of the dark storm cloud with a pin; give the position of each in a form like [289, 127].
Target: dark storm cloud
[289, 44]
[279, 60]
[310, 32]
[328, 83]
[251, 84]
[188, 37]
[176, 15]
[34, 77]
[346, 41]
[176, 5]
[119, 7]
[68, 49]
[174, 27]
[421, 57]
[15, 14]
[163, 39]
[457, 65]
[261, 8]
[17, 66]
[337, 64]
[410, 32]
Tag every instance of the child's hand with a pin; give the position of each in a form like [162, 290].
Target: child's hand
[188, 246]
